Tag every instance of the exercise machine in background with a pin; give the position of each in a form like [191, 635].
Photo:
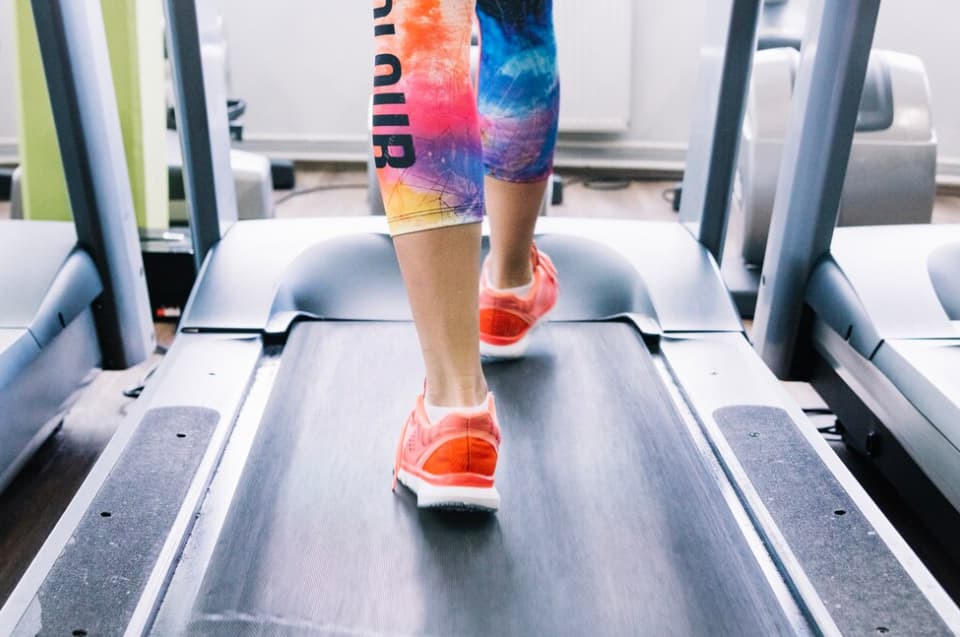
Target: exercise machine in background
[37, 188]
[871, 315]
[255, 177]
[891, 175]
[74, 293]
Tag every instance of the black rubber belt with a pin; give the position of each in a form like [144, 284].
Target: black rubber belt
[610, 524]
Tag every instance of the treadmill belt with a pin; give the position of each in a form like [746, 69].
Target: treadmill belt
[609, 523]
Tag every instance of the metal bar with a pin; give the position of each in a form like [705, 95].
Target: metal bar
[833, 66]
[726, 62]
[76, 63]
[203, 126]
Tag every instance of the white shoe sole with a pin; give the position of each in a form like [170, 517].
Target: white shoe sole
[431, 496]
[513, 350]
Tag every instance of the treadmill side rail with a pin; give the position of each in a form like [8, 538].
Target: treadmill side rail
[209, 371]
[907, 386]
[711, 370]
[121, 536]
[909, 430]
[925, 372]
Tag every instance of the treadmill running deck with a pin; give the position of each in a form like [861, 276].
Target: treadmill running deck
[610, 522]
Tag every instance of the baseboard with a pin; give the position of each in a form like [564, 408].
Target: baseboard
[9, 151]
[572, 152]
[337, 149]
[948, 176]
[582, 152]
[599, 153]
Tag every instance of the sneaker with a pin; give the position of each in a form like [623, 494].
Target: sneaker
[450, 464]
[506, 320]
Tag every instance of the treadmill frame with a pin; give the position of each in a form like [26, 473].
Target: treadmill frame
[868, 315]
[84, 305]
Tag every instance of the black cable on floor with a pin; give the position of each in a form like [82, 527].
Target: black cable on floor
[607, 183]
[136, 390]
[306, 191]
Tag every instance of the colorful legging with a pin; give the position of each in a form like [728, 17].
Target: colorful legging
[434, 137]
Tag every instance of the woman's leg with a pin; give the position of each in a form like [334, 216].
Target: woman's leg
[519, 104]
[441, 271]
[427, 146]
[513, 209]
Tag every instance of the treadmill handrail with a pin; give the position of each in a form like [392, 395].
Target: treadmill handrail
[76, 64]
[721, 103]
[204, 128]
[826, 101]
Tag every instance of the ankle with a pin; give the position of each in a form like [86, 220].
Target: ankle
[456, 394]
[506, 275]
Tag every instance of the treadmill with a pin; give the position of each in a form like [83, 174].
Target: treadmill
[871, 316]
[48, 339]
[73, 298]
[248, 492]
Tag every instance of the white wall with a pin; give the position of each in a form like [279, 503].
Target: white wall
[304, 68]
[324, 118]
[666, 56]
[8, 104]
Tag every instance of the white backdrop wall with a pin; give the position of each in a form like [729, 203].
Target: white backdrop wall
[306, 71]
[8, 103]
[317, 107]
[304, 68]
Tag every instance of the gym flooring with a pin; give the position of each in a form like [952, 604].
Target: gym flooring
[31, 505]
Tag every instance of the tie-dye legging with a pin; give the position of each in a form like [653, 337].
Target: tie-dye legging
[434, 137]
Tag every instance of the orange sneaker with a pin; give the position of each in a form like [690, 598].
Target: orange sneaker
[506, 320]
[450, 464]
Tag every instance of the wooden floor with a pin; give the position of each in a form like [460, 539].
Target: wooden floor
[342, 191]
[34, 501]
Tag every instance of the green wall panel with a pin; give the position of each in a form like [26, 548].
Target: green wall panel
[135, 40]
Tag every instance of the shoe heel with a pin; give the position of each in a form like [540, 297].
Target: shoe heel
[506, 352]
[461, 498]
[451, 496]
[471, 458]
[513, 350]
